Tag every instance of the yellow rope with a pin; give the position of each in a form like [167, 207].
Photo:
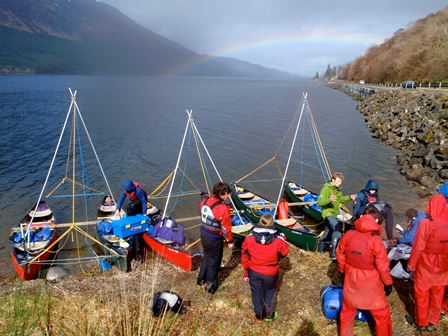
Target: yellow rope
[256, 169]
[199, 156]
[162, 185]
[191, 227]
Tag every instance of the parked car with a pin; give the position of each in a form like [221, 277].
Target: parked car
[362, 82]
[408, 85]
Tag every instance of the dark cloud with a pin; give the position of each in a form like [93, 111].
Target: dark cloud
[291, 35]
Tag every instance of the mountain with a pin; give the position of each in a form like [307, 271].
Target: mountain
[90, 37]
[417, 53]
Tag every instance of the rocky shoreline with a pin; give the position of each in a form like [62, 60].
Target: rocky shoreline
[416, 123]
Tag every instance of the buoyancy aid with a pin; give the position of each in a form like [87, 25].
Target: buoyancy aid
[208, 220]
[371, 199]
[438, 243]
[132, 195]
[357, 253]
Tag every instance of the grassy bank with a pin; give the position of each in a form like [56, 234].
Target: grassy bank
[116, 303]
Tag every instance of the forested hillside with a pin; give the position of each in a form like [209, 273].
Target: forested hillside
[417, 53]
[90, 37]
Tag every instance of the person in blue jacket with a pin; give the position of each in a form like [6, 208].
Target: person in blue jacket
[444, 191]
[137, 205]
[414, 217]
[369, 195]
[137, 199]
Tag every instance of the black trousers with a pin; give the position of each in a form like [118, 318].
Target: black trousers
[263, 289]
[212, 251]
[134, 208]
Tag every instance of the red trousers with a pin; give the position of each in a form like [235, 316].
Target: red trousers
[383, 321]
[428, 303]
[445, 306]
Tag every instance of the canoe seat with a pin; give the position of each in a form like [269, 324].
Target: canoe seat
[344, 217]
[246, 195]
[112, 238]
[151, 210]
[242, 228]
[108, 208]
[300, 192]
[163, 240]
[286, 222]
[34, 246]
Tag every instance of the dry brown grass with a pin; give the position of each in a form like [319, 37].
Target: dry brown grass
[116, 303]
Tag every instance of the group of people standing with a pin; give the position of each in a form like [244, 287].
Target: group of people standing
[360, 253]
[364, 265]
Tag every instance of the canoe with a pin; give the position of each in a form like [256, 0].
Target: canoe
[41, 238]
[124, 247]
[254, 206]
[181, 255]
[297, 194]
[241, 226]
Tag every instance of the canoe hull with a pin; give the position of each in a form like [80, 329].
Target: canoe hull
[19, 257]
[184, 259]
[307, 210]
[123, 257]
[304, 240]
[316, 215]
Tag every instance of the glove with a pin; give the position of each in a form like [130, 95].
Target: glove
[342, 278]
[388, 289]
[246, 276]
[411, 274]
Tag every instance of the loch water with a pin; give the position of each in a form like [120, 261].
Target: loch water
[136, 125]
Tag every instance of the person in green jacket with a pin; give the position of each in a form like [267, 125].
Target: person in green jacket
[330, 199]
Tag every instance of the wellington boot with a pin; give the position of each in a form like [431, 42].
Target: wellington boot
[322, 246]
[333, 247]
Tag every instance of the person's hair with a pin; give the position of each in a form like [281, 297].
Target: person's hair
[266, 220]
[411, 213]
[371, 210]
[335, 175]
[220, 188]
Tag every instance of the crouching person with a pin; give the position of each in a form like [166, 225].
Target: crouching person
[167, 300]
[362, 258]
[259, 257]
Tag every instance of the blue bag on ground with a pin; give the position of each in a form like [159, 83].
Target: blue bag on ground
[331, 300]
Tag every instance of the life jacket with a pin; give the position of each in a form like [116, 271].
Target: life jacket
[438, 244]
[208, 220]
[371, 199]
[357, 254]
[132, 195]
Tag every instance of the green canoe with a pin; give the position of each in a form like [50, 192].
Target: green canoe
[254, 206]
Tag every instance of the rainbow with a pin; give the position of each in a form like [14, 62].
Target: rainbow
[286, 43]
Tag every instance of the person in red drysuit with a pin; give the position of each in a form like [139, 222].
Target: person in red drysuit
[429, 264]
[362, 260]
[259, 257]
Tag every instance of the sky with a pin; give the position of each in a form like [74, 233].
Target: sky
[297, 36]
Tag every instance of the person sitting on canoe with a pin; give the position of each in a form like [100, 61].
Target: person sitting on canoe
[369, 195]
[215, 224]
[259, 257]
[137, 205]
[330, 198]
